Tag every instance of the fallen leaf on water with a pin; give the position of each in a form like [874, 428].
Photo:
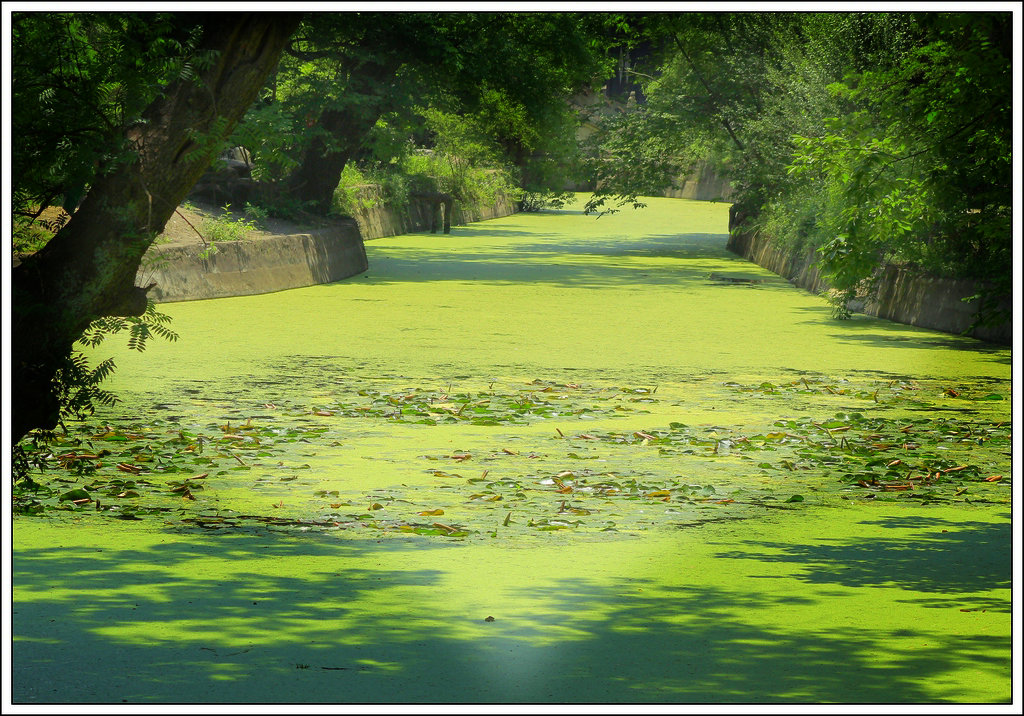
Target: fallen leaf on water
[431, 513]
[659, 493]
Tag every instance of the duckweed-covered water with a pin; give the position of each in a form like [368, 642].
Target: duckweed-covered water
[545, 458]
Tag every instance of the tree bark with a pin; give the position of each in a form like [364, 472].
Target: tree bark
[88, 269]
[319, 172]
[321, 165]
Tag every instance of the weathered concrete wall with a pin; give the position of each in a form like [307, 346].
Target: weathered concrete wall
[379, 220]
[702, 183]
[242, 268]
[928, 302]
[933, 302]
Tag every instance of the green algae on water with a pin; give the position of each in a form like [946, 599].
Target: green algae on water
[564, 423]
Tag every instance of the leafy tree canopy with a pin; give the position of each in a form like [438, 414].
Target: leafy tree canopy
[872, 138]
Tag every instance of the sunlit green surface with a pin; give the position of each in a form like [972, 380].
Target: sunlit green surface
[621, 558]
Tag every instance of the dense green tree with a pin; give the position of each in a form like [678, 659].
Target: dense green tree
[344, 73]
[918, 167]
[872, 138]
[127, 110]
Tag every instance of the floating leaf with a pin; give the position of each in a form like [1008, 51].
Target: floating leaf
[74, 495]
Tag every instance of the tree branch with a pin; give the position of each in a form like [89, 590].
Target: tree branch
[711, 93]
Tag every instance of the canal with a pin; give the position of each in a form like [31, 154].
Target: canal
[545, 458]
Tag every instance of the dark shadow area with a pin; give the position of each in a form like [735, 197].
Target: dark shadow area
[695, 257]
[953, 560]
[863, 329]
[993, 351]
[706, 645]
[358, 635]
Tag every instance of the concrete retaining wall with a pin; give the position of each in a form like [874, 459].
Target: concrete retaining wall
[702, 183]
[928, 302]
[379, 220]
[242, 268]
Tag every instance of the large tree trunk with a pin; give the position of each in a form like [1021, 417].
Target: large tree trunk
[319, 172]
[88, 269]
[321, 165]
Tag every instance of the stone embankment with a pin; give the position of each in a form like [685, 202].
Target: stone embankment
[928, 302]
[189, 270]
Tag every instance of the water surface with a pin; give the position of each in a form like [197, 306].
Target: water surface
[557, 421]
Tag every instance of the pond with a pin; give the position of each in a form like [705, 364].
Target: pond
[546, 458]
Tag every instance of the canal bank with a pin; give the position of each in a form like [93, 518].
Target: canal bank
[183, 266]
[941, 304]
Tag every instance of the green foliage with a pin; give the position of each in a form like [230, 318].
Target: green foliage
[77, 384]
[628, 158]
[464, 162]
[376, 184]
[919, 167]
[140, 328]
[30, 233]
[871, 138]
[355, 86]
[268, 132]
[79, 81]
[225, 228]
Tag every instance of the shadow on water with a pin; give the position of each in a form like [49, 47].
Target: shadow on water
[244, 633]
[677, 260]
[952, 560]
[862, 329]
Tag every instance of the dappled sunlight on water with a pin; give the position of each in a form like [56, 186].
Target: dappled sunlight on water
[661, 486]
